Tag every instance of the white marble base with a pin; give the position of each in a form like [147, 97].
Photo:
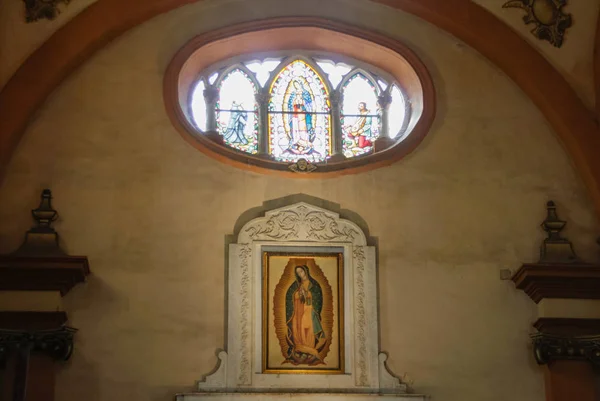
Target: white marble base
[217, 381]
[298, 396]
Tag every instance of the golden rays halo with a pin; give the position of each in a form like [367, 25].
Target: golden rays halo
[332, 319]
[287, 278]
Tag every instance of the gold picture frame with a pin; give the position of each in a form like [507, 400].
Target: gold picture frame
[303, 313]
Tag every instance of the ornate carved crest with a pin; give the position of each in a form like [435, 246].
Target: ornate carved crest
[302, 222]
[550, 22]
[302, 166]
[38, 9]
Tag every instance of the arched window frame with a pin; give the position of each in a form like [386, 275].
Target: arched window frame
[340, 42]
[211, 96]
[334, 98]
[379, 93]
[267, 96]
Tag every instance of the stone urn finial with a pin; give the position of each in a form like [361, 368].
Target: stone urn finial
[555, 248]
[42, 239]
[44, 214]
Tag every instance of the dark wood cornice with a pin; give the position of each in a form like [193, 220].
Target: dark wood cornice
[40, 264]
[48, 273]
[576, 281]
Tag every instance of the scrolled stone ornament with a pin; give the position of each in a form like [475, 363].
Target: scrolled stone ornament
[302, 166]
[57, 343]
[40, 9]
[548, 17]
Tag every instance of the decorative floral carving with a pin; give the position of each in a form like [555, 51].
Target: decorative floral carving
[361, 318]
[244, 375]
[302, 223]
[325, 228]
[280, 226]
[38, 9]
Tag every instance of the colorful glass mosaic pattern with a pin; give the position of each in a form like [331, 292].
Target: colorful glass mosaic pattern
[361, 115]
[299, 115]
[237, 111]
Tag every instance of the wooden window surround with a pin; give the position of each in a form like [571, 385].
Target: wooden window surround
[312, 34]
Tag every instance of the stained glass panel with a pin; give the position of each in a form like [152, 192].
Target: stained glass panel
[198, 106]
[361, 115]
[397, 112]
[299, 115]
[237, 111]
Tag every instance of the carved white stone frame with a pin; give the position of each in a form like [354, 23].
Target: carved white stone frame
[307, 228]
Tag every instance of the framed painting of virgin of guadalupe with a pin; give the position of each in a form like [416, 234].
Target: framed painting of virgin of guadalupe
[303, 313]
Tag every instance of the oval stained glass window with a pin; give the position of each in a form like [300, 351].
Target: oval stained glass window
[361, 115]
[237, 111]
[299, 115]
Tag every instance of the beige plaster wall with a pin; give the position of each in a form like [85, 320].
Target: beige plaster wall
[152, 213]
[574, 60]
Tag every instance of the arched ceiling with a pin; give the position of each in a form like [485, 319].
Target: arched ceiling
[574, 60]
[559, 81]
[18, 39]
